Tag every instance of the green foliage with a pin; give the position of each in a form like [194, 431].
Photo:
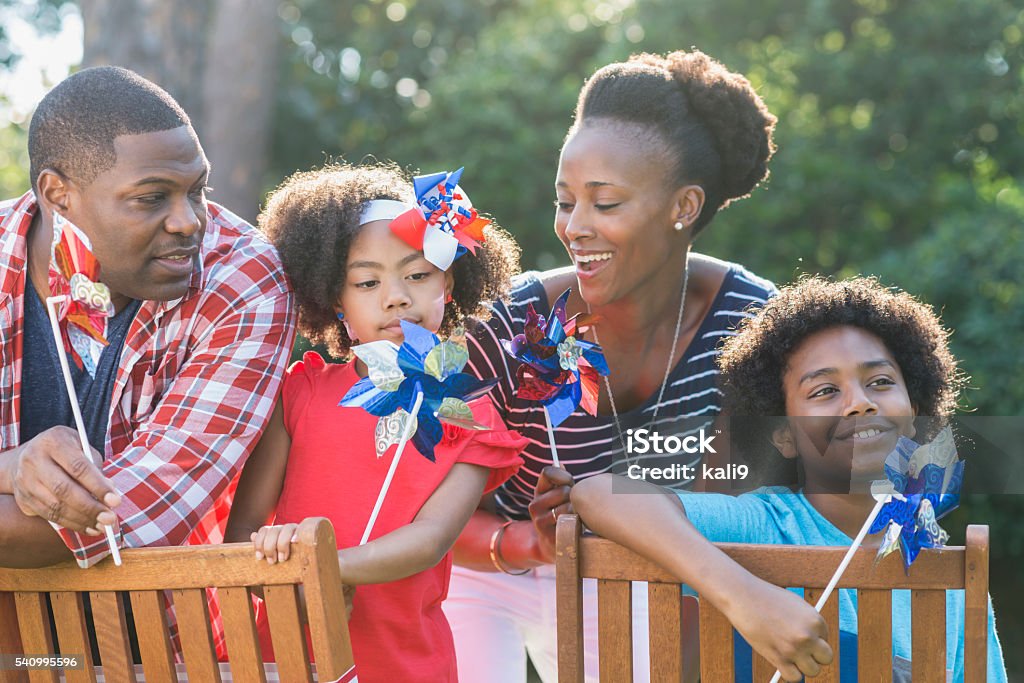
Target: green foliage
[13, 161]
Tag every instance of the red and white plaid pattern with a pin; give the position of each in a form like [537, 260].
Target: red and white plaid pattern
[195, 387]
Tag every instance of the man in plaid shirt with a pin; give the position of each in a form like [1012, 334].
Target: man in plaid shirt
[188, 382]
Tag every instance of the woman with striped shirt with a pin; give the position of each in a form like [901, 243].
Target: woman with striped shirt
[659, 145]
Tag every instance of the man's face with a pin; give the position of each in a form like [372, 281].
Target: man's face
[146, 215]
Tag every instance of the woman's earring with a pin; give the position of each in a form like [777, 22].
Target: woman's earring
[678, 226]
[341, 316]
[448, 298]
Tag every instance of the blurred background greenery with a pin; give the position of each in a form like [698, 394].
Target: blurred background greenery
[901, 134]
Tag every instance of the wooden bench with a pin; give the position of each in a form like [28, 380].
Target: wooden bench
[185, 572]
[615, 567]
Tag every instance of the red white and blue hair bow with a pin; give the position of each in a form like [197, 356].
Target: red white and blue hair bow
[444, 224]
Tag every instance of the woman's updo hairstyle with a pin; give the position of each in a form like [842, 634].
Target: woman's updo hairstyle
[718, 129]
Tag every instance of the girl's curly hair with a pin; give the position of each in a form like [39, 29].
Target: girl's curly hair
[753, 362]
[312, 218]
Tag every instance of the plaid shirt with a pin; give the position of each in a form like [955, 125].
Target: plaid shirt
[195, 387]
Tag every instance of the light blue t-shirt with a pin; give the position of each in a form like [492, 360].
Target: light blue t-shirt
[779, 516]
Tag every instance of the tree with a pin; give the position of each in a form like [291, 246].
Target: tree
[218, 59]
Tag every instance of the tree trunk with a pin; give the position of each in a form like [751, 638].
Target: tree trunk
[163, 41]
[238, 92]
[217, 58]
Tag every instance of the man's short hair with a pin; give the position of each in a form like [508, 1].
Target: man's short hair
[74, 127]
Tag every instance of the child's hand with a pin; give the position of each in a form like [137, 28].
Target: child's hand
[274, 542]
[782, 627]
[550, 499]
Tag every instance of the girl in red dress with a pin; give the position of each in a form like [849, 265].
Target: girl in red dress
[355, 280]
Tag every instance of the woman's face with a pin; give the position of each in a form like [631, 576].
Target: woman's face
[616, 210]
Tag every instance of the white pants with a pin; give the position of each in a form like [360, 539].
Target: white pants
[497, 618]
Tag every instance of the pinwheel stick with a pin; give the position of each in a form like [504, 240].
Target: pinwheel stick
[406, 435]
[551, 439]
[51, 308]
[845, 563]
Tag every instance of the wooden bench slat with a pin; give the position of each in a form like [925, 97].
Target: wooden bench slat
[151, 633]
[810, 566]
[830, 613]
[10, 637]
[325, 601]
[928, 636]
[874, 635]
[615, 629]
[73, 634]
[240, 634]
[196, 638]
[762, 669]
[569, 591]
[976, 605]
[665, 609]
[230, 564]
[287, 632]
[34, 622]
[111, 628]
[716, 663]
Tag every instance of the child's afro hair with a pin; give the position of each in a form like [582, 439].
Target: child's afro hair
[753, 362]
[312, 218]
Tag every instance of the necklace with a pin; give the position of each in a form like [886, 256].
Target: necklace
[668, 368]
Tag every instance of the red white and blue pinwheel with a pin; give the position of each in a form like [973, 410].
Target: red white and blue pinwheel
[925, 481]
[444, 226]
[85, 306]
[557, 369]
[422, 366]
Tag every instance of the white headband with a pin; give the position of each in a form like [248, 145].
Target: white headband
[383, 210]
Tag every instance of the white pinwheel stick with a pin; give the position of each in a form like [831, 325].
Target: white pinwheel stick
[551, 439]
[51, 308]
[406, 435]
[882, 500]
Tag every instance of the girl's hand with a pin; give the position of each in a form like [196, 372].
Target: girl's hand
[781, 626]
[550, 499]
[274, 542]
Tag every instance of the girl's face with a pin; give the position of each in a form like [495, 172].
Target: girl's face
[847, 405]
[615, 210]
[387, 281]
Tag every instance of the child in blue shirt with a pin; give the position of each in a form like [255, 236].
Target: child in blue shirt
[851, 366]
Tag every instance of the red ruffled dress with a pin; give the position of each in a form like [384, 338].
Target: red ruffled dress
[398, 630]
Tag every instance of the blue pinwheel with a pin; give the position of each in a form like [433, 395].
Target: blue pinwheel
[555, 368]
[925, 488]
[422, 366]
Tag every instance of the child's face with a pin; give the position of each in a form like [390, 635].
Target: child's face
[387, 281]
[847, 405]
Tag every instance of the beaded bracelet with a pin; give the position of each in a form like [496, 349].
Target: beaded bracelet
[496, 557]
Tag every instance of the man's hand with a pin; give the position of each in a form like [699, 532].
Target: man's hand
[50, 477]
[550, 499]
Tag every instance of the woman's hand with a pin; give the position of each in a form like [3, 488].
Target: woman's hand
[782, 627]
[550, 499]
[274, 542]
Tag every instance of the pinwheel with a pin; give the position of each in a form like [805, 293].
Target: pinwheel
[84, 304]
[413, 388]
[444, 225]
[926, 487]
[79, 308]
[556, 369]
[922, 485]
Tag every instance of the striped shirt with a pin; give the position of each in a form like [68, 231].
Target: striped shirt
[589, 445]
